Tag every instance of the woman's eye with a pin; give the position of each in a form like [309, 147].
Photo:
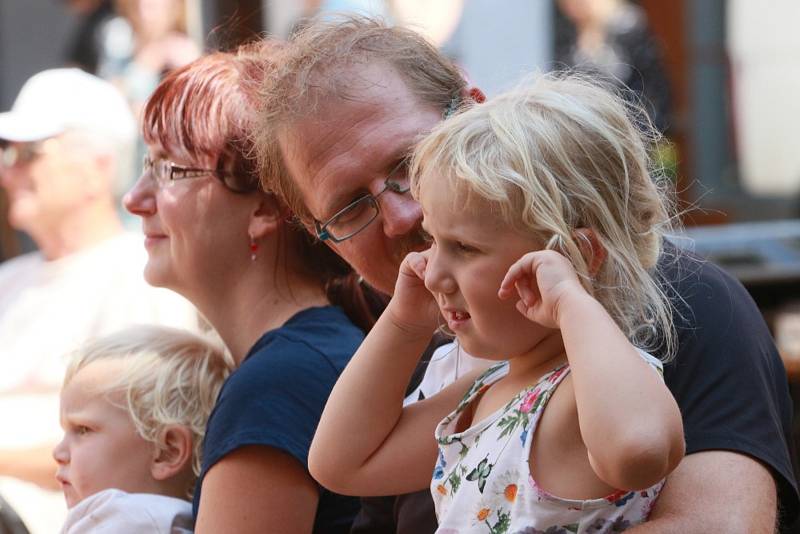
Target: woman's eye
[428, 238]
[82, 430]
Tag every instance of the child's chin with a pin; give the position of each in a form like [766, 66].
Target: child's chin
[70, 497]
[71, 502]
[479, 350]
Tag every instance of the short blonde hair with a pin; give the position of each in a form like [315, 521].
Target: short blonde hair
[559, 153]
[170, 377]
[316, 65]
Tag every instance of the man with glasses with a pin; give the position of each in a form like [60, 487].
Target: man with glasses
[343, 111]
[63, 145]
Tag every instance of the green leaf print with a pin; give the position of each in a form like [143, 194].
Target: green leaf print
[542, 398]
[502, 524]
[509, 423]
[573, 527]
[455, 481]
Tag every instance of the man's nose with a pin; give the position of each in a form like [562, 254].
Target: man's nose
[400, 212]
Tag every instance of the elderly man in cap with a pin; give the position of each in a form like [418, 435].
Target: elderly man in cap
[67, 139]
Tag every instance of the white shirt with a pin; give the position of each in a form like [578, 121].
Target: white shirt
[113, 511]
[448, 363]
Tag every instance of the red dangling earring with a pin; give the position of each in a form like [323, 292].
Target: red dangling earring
[253, 249]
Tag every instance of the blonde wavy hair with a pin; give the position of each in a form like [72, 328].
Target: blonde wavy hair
[169, 377]
[558, 153]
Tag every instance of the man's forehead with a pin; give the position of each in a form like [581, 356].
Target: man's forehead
[322, 177]
[321, 149]
[327, 126]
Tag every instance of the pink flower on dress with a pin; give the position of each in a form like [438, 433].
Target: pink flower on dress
[529, 401]
[553, 378]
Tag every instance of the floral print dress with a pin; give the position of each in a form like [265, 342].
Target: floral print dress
[482, 481]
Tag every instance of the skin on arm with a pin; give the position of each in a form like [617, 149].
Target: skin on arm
[366, 443]
[715, 491]
[628, 448]
[257, 489]
[34, 465]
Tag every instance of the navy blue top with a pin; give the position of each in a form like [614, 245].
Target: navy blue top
[275, 399]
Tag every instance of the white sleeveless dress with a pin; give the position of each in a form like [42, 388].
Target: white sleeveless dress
[482, 481]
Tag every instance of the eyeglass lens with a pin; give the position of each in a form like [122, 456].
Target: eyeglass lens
[18, 154]
[358, 215]
[160, 168]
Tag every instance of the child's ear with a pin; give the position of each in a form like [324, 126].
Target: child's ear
[593, 251]
[174, 454]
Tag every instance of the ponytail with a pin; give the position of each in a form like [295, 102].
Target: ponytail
[360, 302]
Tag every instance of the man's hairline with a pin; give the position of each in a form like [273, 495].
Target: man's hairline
[285, 136]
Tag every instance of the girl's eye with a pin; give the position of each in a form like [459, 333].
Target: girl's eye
[82, 430]
[428, 238]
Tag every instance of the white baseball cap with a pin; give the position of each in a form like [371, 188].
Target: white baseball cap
[56, 100]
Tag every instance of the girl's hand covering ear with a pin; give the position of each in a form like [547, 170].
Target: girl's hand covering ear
[542, 280]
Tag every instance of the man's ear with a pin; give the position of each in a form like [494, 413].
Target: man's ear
[266, 217]
[174, 453]
[593, 251]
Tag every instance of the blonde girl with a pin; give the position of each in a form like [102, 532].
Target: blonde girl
[545, 227]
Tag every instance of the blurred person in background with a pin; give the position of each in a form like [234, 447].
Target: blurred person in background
[65, 140]
[146, 40]
[87, 44]
[612, 39]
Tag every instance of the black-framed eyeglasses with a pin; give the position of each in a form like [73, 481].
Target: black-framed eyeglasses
[166, 173]
[357, 215]
[14, 154]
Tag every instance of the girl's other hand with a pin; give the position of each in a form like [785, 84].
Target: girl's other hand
[412, 306]
[542, 280]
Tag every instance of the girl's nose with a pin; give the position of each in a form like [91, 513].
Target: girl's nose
[437, 276]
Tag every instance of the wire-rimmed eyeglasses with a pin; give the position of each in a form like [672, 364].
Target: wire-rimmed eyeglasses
[166, 173]
[357, 215]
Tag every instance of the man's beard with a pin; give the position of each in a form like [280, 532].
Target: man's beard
[414, 241]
